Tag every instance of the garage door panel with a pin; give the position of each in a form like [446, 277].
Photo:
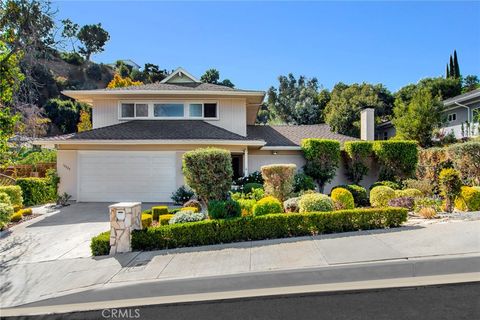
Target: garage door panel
[127, 176]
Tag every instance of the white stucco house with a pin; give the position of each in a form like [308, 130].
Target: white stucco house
[134, 151]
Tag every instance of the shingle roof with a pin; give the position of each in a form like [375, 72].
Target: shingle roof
[194, 86]
[461, 97]
[155, 130]
[292, 135]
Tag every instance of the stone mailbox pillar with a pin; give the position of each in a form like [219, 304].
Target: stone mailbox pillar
[124, 217]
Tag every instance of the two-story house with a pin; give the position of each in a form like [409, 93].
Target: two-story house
[134, 151]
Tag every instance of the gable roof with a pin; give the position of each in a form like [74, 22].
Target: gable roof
[292, 135]
[462, 97]
[180, 72]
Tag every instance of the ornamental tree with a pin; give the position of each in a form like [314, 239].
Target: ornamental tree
[278, 180]
[323, 158]
[398, 159]
[357, 154]
[208, 171]
[450, 186]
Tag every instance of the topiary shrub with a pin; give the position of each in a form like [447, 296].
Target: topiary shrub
[187, 216]
[14, 193]
[26, 212]
[158, 211]
[322, 159]
[359, 194]
[302, 182]
[402, 202]
[248, 187]
[100, 245]
[390, 184]
[466, 159]
[342, 199]
[315, 202]
[291, 205]
[16, 217]
[398, 159]
[246, 206]
[6, 211]
[208, 172]
[4, 198]
[424, 186]
[357, 154]
[164, 219]
[182, 195]
[450, 186]
[278, 180]
[193, 203]
[267, 205]
[412, 193]
[379, 196]
[146, 220]
[468, 200]
[193, 209]
[37, 191]
[224, 209]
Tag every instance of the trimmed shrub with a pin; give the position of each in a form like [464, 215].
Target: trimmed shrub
[398, 159]
[26, 212]
[267, 205]
[468, 200]
[193, 209]
[302, 182]
[412, 193]
[427, 202]
[164, 219]
[278, 180]
[174, 210]
[100, 245]
[4, 198]
[402, 202]
[291, 205]
[247, 188]
[6, 211]
[182, 195]
[158, 211]
[270, 226]
[246, 206]
[466, 159]
[450, 186]
[147, 211]
[390, 184]
[17, 216]
[224, 209]
[14, 193]
[255, 194]
[146, 220]
[37, 191]
[193, 203]
[342, 199]
[424, 186]
[314, 202]
[359, 194]
[187, 216]
[427, 212]
[323, 158]
[44, 155]
[208, 172]
[357, 154]
[379, 196]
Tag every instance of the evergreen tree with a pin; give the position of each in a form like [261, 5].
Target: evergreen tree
[455, 63]
[452, 68]
[447, 73]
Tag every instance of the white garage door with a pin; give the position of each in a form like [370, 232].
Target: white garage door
[126, 176]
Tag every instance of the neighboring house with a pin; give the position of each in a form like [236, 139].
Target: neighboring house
[127, 62]
[462, 117]
[134, 151]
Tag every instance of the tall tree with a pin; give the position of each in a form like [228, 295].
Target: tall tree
[70, 32]
[470, 83]
[210, 76]
[296, 101]
[455, 63]
[342, 112]
[447, 73]
[93, 37]
[452, 68]
[418, 119]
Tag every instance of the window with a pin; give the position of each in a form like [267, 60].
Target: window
[209, 110]
[128, 110]
[141, 110]
[452, 117]
[168, 110]
[196, 110]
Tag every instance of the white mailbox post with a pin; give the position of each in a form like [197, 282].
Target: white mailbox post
[124, 217]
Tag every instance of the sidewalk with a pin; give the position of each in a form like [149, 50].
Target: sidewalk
[406, 246]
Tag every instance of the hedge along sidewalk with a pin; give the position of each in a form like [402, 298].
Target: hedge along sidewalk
[270, 226]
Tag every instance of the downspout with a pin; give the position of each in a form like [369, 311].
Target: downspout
[468, 108]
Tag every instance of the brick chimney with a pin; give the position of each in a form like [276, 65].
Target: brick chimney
[367, 124]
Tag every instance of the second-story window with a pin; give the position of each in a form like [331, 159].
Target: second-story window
[452, 117]
[168, 110]
[209, 110]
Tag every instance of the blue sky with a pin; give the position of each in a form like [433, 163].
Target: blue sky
[252, 43]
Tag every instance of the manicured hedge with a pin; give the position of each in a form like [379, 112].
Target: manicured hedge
[100, 244]
[14, 193]
[37, 191]
[270, 226]
[398, 158]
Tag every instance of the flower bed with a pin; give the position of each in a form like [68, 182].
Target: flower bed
[268, 226]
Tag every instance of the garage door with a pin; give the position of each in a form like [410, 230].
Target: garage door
[126, 176]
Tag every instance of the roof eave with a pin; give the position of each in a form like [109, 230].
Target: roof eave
[281, 148]
[258, 143]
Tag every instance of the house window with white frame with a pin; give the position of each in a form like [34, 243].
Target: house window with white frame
[134, 110]
[452, 117]
[169, 109]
